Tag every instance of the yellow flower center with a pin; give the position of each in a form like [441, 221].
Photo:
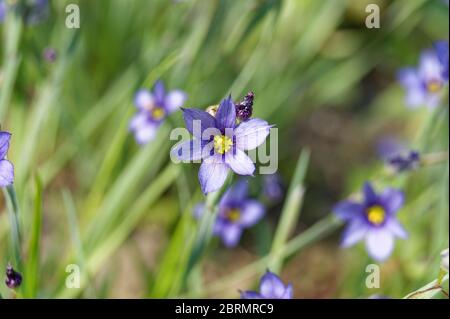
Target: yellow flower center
[222, 144]
[434, 86]
[376, 215]
[158, 113]
[233, 215]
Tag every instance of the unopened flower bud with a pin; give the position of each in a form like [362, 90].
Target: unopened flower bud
[13, 278]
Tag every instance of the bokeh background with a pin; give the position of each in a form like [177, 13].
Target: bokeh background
[122, 212]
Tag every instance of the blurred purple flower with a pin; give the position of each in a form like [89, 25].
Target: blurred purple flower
[425, 84]
[220, 143]
[235, 213]
[36, 11]
[6, 168]
[13, 278]
[374, 219]
[404, 162]
[3, 9]
[49, 55]
[396, 155]
[272, 187]
[441, 48]
[270, 287]
[153, 107]
[388, 146]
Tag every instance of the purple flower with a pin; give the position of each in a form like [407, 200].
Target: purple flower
[374, 219]
[3, 10]
[220, 143]
[404, 162]
[153, 108]
[441, 48]
[425, 84]
[235, 213]
[270, 287]
[49, 55]
[6, 168]
[33, 11]
[36, 11]
[272, 187]
[13, 278]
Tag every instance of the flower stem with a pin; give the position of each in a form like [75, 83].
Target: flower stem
[204, 230]
[13, 215]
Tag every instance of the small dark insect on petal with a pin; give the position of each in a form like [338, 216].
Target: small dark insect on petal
[13, 278]
[244, 109]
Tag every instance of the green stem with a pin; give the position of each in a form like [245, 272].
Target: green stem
[204, 232]
[13, 215]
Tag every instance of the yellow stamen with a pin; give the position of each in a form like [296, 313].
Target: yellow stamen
[222, 144]
[434, 86]
[158, 113]
[234, 215]
[376, 215]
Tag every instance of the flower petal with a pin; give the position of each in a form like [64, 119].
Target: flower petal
[396, 228]
[138, 121]
[212, 174]
[415, 91]
[370, 197]
[289, 293]
[380, 243]
[441, 48]
[226, 114]
[355, 231]
[235, 194]
[430, 68]
[5, 138]
[6, 173]
[392, 200]
[146, 132]
[250, 295]
[198, 121]
[159, 93]
[231, 233]
[174, 100]
[188, 151]
[251, 212]
[251, 134]
[347, 210]
[240, 163]
[271, 286]
[144, 100]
